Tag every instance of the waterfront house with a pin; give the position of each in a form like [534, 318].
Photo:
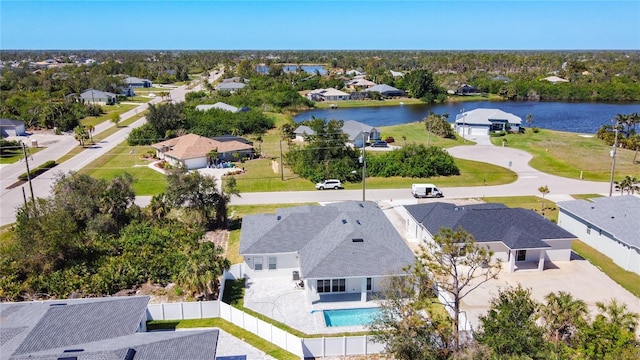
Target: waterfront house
[521, 238]
[221, 106]
[327, 95]
[357, 131]
[230, 86]
[609, 224]
[303, 131]
[135, 82]
[467, 89]
[554, 79]
[484, 121]
[386, 90]
[345, 248]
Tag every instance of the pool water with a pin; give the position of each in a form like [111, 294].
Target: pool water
[350, 317]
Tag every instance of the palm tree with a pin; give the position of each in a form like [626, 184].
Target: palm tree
[91, 129]
[204, 266]
[563, 315]
[628, 184]
[529, 119]
[80, 134]
[617, 314]
[544, 190]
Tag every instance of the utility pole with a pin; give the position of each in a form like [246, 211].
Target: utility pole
[612, 153]
[364, 168]
[26, 161]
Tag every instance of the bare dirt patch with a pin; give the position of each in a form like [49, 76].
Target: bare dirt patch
[218, 237]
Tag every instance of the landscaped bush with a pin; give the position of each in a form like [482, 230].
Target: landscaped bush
[37, 171]
[535, 130]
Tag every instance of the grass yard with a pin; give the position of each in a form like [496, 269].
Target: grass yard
[528, 202]
[248, 337]
[416, 132]
[13, 155]
[124, 158]
[364, 103]
[568, 154]
[110, 109]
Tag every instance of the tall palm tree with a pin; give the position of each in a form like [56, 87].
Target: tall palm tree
[563, 315]
[628, 184]
[204, 267]
[80, 134]
[618, 314]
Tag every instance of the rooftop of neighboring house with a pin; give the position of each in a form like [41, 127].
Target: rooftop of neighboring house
[484, 117]
[616, 215]
[193, 146]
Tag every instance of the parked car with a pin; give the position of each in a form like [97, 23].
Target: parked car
[390, 139]
[380, 143]
[329, 184]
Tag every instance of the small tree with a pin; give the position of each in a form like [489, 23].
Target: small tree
[115, 119]
[563, 316]
[80, 133]
[544, 190]
[529, 119]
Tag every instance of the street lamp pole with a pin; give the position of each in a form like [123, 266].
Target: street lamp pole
[364, 169]
[464, 114]
[612, 153]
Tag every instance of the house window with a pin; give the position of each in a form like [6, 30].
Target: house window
[369, 287]
[257, 263]
[324, 286]
[339, 285]
[521, 255]
[272, 262]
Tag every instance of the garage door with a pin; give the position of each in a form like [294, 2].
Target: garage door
[479, 131]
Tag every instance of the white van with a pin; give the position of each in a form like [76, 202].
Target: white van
[425, 190]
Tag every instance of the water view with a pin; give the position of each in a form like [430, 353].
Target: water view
[573, 117]
[309, 69]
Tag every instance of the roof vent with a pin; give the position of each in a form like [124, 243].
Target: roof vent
[279, 217]
[344, 221]
[361, 205]
[130, 354]
[357, 240]
[358, 221]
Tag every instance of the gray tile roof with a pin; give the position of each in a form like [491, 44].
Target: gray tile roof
[96, 94]
[484, 117]
[353, 128]
[616, 215]
[230, 86]
[516, 228]
[218, 105]
[384, 89]
[304, 129]
[323, 238]
[11, 122]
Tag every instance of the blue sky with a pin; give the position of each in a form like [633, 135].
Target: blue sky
[306, 25]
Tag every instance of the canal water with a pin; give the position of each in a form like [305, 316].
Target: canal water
[573, 117]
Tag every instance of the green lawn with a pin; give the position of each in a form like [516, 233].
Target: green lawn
[124, 158]
[109, 109]
[416, 133]
[12, 156]
[246, 336]
[568, 154]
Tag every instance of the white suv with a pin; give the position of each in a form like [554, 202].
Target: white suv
[329, 184]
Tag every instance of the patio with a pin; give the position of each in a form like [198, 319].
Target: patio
[281, 300]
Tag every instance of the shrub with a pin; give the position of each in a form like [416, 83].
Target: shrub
[535, 130]
[37, 171]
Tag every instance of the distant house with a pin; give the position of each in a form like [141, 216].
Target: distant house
[484, 121]
[345, 248]
[521, 238]
[193, 151]
[127, 91]
[359, 84]
[9, 127]
[608, 224]
[230, 86]
[554, 79]
[95, 328]
[93, 96]
[303, 131]
[235, 79]
[329, 94]
[221, 106]
[467, 89]
[135, 82]
[501, 78]
[354, 72]
[396, 73]
[386, 90]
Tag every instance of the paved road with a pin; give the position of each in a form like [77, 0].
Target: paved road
[12, 198]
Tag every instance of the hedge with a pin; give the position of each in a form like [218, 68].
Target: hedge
[39, 170]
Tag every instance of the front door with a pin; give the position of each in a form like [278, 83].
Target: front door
[521, 255]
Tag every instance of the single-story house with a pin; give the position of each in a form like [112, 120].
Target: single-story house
[386, 90]
[396, 73]
[521, 238]
[235, 79]
[355, 131]
[93, 96]
[354, 72]
[501, 78]
[230, 86]
[135, 82]
[609, 224]
[359, 83]
[221, 106]
[341, 248]
[10, 127]
[193, 151]
[484, 121]
[303, 131]
[329, 94]
[95, 328]
[467, 89]
[127, 91]
[554, 79]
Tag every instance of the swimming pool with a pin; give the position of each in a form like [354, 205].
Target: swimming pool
[350, 317]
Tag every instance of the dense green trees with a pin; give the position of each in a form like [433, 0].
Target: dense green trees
[416, 161]
[420, 84]
[89, 239]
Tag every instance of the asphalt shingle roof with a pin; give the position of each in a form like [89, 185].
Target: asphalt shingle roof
[323, 238]
[617, 215]
[483, 117]
[516, 228]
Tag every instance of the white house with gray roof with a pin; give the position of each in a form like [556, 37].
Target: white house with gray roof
[521, 238]
[220, 106]
[96, 328]
[230, 86]
[341, 248]
[610, 225]
[356, 131]
[484, 121]
[93, 96]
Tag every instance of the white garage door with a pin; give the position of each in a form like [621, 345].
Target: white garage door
[479, 131]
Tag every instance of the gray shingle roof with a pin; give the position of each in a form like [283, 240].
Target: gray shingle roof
[484, 117]
[323, 238]
[96, 94]
[230, 86]
[616, 215]
[384, 89]
[516, 228]
[352, 128]
[304, 129]
[218, 105]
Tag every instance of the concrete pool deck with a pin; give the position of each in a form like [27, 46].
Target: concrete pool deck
[278, 299]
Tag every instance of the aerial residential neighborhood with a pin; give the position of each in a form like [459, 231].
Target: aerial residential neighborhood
[304, 180]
